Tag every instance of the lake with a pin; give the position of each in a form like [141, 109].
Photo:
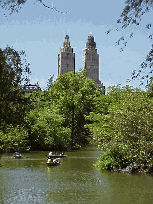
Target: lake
[76, 181]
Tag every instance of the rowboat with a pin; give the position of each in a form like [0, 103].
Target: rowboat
[16, 155]
[56, 156]
[51, 162]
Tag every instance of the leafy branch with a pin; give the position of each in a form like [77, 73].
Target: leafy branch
[15, 5]
[132, 14]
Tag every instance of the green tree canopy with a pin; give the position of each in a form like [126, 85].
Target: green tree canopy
[75, 93]
[125, 132]
[13, 70]
[14, 139]
[49, 121]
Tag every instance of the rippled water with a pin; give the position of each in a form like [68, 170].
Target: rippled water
[29, 180]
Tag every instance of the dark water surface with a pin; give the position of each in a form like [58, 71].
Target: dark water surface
[75, 181]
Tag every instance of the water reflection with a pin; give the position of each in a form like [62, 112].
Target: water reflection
[29, 180]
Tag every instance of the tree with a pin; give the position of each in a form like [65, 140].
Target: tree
[13, 70]
[45, 129]
[49, 122]
[75, 93]
[14, 139]
[132, 14]
[50, 82]
[150, 89]
[125, 130]
[16, 5]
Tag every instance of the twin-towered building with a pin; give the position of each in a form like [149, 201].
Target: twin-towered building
[66, 60]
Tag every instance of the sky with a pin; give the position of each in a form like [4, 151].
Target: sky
[40, 32]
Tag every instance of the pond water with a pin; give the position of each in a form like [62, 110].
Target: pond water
[76, 181]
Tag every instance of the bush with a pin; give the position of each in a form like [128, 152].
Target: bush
[14, 139]
[107, 161]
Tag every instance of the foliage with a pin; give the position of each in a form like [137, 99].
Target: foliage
[45, 129]
[50, 112]
[17, 66]
[15, 5]
[109, 160]
[150, 89]
[14, 139]
[50, 82]
[132, 13]
[12, 72]
[125, 132]
[75, 93]
[140, 74]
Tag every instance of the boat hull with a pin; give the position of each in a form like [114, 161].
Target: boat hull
[53, 164]
[56, 156]
[17, 157]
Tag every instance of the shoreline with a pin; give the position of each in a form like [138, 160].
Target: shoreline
[135, 168]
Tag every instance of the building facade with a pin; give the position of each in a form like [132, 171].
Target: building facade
[66, 58]
[91, 61]
[29, 88]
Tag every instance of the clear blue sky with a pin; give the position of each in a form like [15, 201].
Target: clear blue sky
[40, 32]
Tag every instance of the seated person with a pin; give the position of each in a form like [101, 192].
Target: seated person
[16, 154]
[49, 160]
[56, 160]
[50, 153]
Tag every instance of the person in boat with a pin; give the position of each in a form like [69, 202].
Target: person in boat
[16, 154]
[49, 160]
[50, 153]
[56, 160]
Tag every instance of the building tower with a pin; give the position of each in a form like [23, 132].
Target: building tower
[91, 61]
[66, 58]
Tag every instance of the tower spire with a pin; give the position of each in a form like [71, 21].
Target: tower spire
[90, 44]
[66, 42]
[66, 59]
[91, 60]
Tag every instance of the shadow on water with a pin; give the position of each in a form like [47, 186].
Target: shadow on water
[29, 180]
